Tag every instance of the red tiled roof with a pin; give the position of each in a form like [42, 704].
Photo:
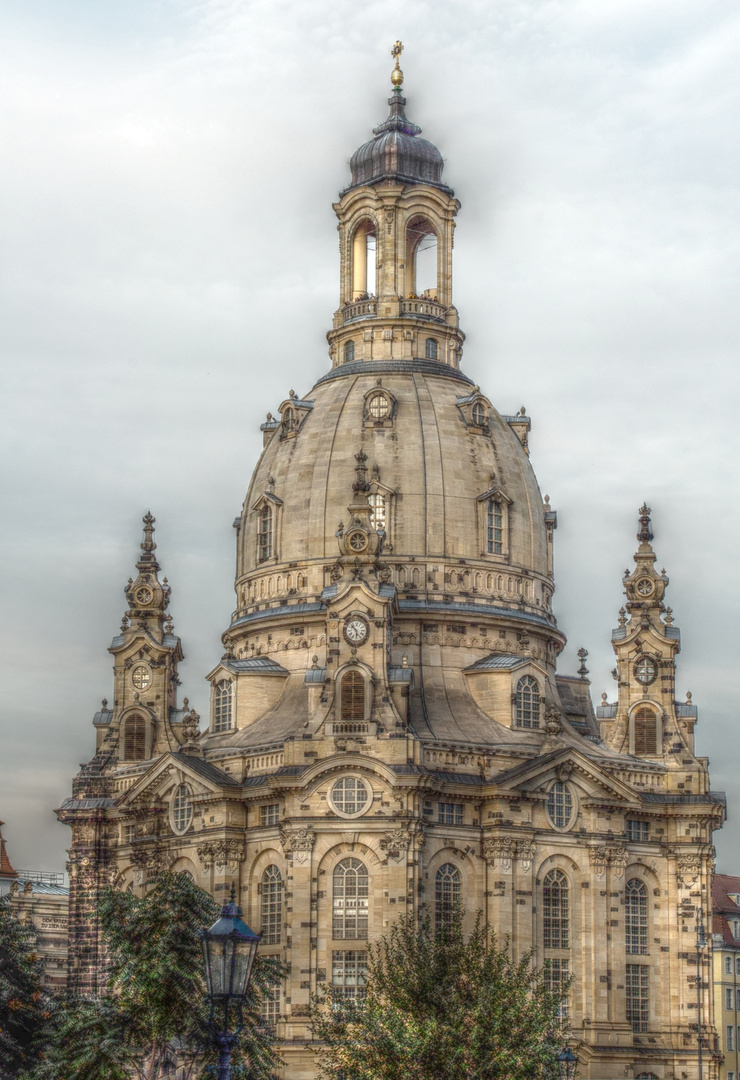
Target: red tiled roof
[6, 870]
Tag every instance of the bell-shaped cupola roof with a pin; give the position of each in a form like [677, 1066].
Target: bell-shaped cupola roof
[396, 152]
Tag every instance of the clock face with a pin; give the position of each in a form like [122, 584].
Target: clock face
[356, 630]
[644, 586]
[143, 595]
[141, 677]
[646, 670]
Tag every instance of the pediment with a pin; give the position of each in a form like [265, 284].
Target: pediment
[267, 497]
[495, 493]
[204, 779]
[566, 764]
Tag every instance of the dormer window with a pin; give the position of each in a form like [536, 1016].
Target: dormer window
[494, 527]
[289, 423]
[378, 406]
[223, 702]
[264, 534]
[430, 348]
[527, 703]
[377, 510]
[478, 415]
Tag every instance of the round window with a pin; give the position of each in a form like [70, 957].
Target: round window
[350, 797]
[560, 805]
[141, 677]
[378, 406]
[646, 670]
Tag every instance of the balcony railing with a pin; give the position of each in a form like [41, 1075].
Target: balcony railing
[359, 309]
[431, 309]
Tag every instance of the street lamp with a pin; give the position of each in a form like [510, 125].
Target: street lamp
[229, 948]
[567, 1062]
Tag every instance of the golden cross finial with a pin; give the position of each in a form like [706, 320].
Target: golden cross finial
[397, 74]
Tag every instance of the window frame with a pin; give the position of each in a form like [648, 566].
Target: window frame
[134, 733]
[556, 910]
[353, 965]
[557, 971]
[355, 916]
[636, 916]
[181, 808]
[224, 688]
[447, 896]
[637, 997]
[337, 806]
[561, 788]
[642, 739]
[271, 905]
[528, 683]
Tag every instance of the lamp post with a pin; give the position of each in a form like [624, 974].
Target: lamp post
[229, 948]
[567, 1062]
[701, 941]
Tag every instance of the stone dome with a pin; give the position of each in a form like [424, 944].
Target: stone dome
[397, 153]
[434, 465]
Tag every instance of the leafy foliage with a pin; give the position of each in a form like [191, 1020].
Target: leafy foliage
[23, 1003]
[442, 1007]
[156, 1015]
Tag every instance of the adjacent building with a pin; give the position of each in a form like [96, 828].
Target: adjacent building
[726, 970]
[388, 728]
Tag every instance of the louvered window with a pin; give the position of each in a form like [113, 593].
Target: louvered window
[353, 696]
[134, 738]
[645, 733]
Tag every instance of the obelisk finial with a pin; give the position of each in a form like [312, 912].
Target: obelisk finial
[397, 74]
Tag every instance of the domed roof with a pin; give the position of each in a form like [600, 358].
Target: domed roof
[397, 153]
[436, 464]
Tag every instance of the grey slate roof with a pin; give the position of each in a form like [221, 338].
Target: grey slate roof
[454, 608]
[272, 612]
[315, 675]
[382, 367]
[261, 665]
[400, 674]
[44, 887]
[496, 661]
[103, 716]
[88, 804]
[207, 771]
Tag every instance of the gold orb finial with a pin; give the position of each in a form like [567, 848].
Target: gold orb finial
[397, 74]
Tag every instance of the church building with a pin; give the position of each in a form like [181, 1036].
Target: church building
[388, 728]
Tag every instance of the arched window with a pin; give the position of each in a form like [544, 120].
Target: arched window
[560, 805]
[182, 809]
[349, 352]
[430, 348]
[635, 916]
[264, 534]
[421, 259]
[479, 415]
[447, 887]
[377, 510]
[363, 261]
[222, 706]
[494, 527]
[527, 702]
[646, 741]
[353, 696]
[288, 421]
[350, 900]
[134, 738]
[272, 906]
[555, 908]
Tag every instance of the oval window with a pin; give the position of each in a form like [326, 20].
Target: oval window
[560, 805]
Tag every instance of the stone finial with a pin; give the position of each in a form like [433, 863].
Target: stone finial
[645, 534]
[361, 483]
[104, 705]
[604, 701]
[688, 697]
[583, 670]
[669, 616]
[147, 544]
[622, 616]
[314, 662]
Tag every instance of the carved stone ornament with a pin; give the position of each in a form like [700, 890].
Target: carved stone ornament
[553, 725]
[564, 771]
[224, 855]
[500, 851]
[336, 571]
[688, 869]
[525, 852]
[190, 732]
[148, 858]
[605, 855]
[297, 843]
[395, 843]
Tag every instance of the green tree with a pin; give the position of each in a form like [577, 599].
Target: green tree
[155, 1015]
[23, 1003]
[442, 1007]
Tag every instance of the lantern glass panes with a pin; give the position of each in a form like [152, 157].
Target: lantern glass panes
[229, 948]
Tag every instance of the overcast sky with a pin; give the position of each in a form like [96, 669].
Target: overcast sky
[169, 268]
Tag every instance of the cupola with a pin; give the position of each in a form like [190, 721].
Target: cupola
[396, 152]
